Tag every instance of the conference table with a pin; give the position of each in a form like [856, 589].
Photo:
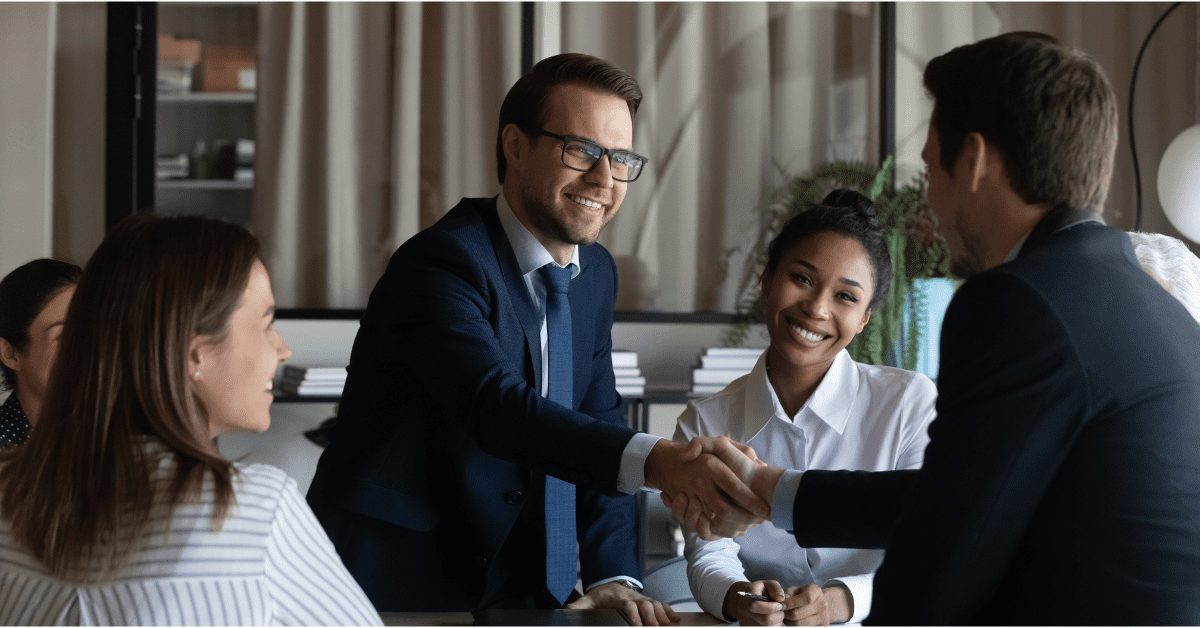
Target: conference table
[562, 617]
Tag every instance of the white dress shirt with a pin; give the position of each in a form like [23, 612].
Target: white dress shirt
[531, 256]
[860, 417]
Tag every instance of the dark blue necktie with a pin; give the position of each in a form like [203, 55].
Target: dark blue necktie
[561, 572]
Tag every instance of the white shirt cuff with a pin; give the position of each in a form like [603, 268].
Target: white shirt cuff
[713, 592]
[784, 501]
[632, 475]
[612, 579]
[860, 594]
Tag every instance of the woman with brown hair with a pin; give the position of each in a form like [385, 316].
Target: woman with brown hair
[119, 509]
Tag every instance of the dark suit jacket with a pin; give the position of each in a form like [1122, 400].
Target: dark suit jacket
[442, 439]
[1061, 484]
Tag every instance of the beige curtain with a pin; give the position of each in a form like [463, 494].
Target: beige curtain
[373, 120]
[736, 95]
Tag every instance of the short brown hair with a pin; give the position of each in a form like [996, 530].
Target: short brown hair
[80, 493]
[1048, 109]
[525, 104]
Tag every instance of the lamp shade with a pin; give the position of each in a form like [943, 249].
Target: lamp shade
[1179, 183]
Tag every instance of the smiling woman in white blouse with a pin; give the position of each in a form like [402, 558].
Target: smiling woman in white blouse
[807, 405]
[119, 510]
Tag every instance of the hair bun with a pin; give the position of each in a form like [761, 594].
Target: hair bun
[849, 199]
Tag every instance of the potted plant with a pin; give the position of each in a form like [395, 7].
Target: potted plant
[917, 248]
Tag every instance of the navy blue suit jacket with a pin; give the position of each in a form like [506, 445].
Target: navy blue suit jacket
[1061, 484]
[442, 438]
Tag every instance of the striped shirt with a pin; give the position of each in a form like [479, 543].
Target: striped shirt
[270, 564]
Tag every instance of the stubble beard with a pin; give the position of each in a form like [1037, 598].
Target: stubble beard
[969, 262]
[555, 222]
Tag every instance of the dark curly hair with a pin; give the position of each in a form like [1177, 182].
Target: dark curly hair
[847, 213]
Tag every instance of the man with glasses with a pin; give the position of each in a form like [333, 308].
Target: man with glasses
[481, 451]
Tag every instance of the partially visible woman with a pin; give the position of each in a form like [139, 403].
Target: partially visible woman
[119, 510]
[33, 304]
[807, 405]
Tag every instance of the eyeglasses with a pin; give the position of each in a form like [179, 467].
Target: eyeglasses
[582, 154]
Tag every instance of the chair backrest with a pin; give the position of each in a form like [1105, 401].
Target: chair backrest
[668, 583]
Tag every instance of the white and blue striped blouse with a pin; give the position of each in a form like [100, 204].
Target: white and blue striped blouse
[271, 563]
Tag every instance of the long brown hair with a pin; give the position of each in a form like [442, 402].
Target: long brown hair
[81, 492]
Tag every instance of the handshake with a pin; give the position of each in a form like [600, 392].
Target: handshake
[715, 487]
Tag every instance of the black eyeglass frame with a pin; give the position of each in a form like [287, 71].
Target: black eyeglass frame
[609, 152]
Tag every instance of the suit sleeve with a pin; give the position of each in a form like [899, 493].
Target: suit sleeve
[1011, 396]
[440, 320]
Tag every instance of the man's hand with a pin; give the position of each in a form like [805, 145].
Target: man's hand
[694, 472]
[638, 609]
[748, 612]
[810, 605]
[696, 516]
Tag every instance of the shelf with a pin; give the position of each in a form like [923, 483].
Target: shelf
[204, 184]
[208, 97]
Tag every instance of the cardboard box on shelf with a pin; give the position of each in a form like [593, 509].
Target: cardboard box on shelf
[177, 58]
[185, 51]
[229, 68]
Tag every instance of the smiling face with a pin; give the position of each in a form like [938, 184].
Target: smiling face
[562, 207]
[817, 300]
[235, 374]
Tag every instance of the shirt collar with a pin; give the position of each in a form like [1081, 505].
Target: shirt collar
[831, 402]
[1016, 249]
[531, 255]
[834, 396]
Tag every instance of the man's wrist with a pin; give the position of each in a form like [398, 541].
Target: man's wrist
[654, 459]
[626, 582]
[764, 483]
[841, 603]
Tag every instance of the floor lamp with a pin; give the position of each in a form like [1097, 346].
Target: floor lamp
[1179, 170]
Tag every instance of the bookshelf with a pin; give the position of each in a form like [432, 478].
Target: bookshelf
[205, 109]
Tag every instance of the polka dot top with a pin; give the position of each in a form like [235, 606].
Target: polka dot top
[14, 426]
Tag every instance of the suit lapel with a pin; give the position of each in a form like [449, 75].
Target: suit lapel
[518, 293]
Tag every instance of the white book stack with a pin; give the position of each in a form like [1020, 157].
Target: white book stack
[312, 380]
[630, 382]
[721, 365]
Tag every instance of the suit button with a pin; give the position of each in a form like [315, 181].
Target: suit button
[514, 497]
[481, 561]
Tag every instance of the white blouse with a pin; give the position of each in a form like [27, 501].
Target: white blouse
[860, 418]
[271, 563]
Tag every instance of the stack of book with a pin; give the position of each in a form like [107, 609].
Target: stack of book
[721, 365]
[312, 380]
[630, 382]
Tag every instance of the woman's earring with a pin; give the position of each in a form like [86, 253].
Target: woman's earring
[197, 375]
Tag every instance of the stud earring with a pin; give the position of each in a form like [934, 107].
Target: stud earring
[197, 375]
